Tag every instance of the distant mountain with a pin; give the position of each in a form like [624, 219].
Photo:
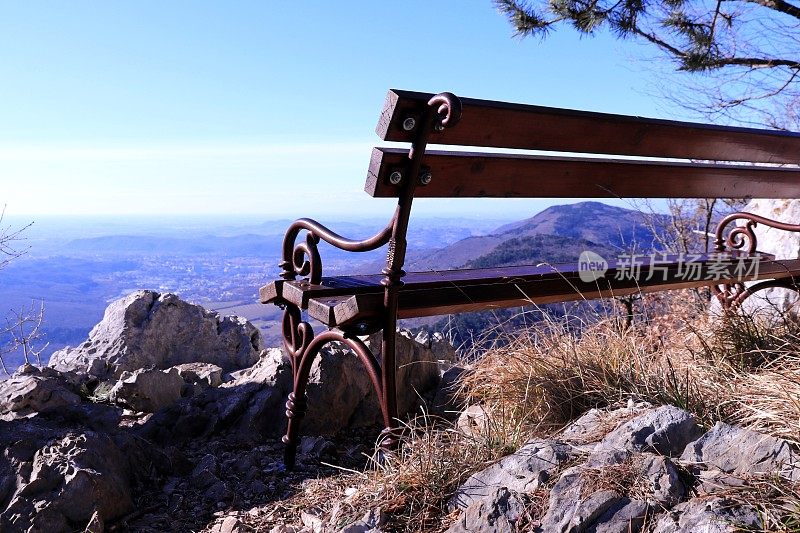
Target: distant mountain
[534, 249]
[592, 223]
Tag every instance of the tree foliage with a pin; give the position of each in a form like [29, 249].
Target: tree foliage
[744, 55]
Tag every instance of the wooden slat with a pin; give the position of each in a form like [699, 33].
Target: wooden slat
[508, 125]
[473, 292]
[271, 291]
[475, 175]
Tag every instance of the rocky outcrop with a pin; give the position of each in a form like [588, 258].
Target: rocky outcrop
[62, 469]
[151, 330]
[616, 471]
[148, 390]
[34, 390]
[340, 395]
[68, 481]
[167, 372]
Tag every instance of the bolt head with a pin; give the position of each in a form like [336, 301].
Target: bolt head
[425, 178]
[409, 124]
[395, 177]
[439, 127]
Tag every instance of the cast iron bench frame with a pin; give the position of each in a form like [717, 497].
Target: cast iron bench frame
[694, 161]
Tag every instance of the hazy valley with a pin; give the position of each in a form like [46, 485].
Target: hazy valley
[77, 267]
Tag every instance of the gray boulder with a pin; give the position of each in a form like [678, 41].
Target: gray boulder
[595, 424]
[610, 498]
[32, 390]
[340, 395]
[735, 450]
[572, 508]
[498, 512]
[150, 330]
[709, 515]
[148, 390]
[68, 482]
[523, 471]
[201, 374]
[626, 516]
[664, 430]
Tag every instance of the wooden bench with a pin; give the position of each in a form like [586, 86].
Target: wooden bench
[661, 159]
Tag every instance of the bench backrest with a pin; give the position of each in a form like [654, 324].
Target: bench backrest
[661, 159]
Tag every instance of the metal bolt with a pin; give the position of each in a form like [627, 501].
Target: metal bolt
[395, 177]
[425, 178]
[362, 327]
[439, 127]
[409, 124]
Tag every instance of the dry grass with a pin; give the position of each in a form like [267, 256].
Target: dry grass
[411, 486]
[738, 369]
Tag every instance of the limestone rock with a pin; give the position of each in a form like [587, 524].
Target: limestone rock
[664, 430]
[339, 395]
[595, 424]
[148, 390]
[664, 484]
[496, 513]
[523, 472]
[626, 516]
[150, 330]
[572, 509]
[372, 522]
[735, 450]
[204, 374]
[612, 497]
[475, 421]
[34, 391]
[68, 482]
[709, 515]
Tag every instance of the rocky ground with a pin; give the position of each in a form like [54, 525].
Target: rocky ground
[168, 418]
[169, 413]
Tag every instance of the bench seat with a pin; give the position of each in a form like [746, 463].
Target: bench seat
[344, 301]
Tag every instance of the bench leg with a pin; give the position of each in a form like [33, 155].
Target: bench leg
[390, 434]
[302, 348]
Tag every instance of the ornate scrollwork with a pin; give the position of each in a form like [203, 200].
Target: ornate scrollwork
[297, 335]
[743, 238]
[303, 259]
[303, 348]
[739, 236]
[729, 295]
[449, 109]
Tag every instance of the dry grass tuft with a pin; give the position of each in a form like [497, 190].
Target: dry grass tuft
[411, 486]
[775, 499]
[739, 369]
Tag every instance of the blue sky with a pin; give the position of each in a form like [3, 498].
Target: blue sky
[259, 107]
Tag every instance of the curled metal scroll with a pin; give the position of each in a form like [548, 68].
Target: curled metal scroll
[297, 335]
[449, 109]
[743, 238]
[303, 259]
[739, 236]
